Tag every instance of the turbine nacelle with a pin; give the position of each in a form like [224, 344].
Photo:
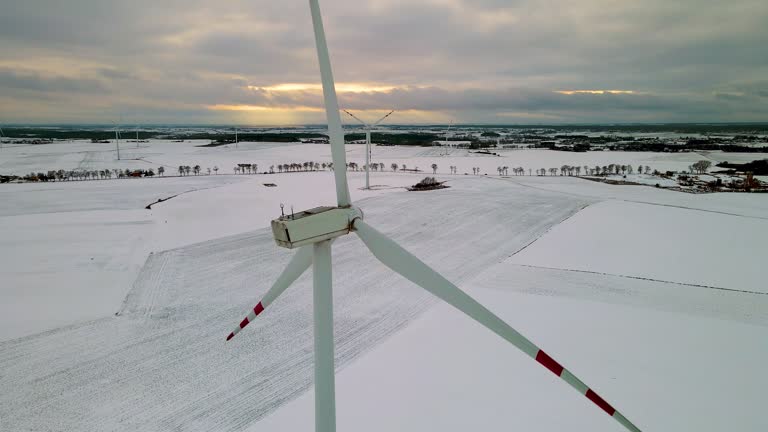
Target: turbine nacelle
[314, 225]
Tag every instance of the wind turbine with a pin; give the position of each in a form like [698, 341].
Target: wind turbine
[312, 232]
[447, 139]
[117, 139]
[368, 128]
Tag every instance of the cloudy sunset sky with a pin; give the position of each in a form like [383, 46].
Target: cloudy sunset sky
[482, 61]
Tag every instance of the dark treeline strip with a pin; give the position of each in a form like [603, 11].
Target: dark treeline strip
[663, 147]
[70, 134]
[757, 167]
[684, 128]
[412, 139]
[229, 138]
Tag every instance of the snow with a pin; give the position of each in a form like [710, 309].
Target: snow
[444, 372]
[162, 362]
[643, 179]
[666, 243]
[22, 159]
[96, 235]
[653, 297]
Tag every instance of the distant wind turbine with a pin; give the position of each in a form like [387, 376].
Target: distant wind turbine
[117, 139]
[368, 128]
[447, 139]
[312, 232]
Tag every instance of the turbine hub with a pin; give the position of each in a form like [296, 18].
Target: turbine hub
[314, 225]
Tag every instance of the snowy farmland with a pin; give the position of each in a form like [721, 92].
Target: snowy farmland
[113, 316]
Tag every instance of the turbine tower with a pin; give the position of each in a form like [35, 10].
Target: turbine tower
[447, 138]
[368, 128]
[312, 231]
[117, 139]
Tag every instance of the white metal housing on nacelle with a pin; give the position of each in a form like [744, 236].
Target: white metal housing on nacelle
[314, 225]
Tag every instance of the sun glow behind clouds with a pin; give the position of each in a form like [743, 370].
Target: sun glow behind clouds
[598, 92]
[224, 107]
[268, 115]
[340, 87]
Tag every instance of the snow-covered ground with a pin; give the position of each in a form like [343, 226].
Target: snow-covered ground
[670, 244]
[653, 297]
[22, 159]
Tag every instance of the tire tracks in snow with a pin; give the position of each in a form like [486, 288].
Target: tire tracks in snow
[734, 290]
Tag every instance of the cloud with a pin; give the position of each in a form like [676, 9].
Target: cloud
[23, 80]
[482, 60]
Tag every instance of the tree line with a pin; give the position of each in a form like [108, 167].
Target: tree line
[253, 168]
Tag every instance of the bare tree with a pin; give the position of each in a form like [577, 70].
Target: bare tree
[434, 168]
[215, 170]
[160, 170]
[702, 166]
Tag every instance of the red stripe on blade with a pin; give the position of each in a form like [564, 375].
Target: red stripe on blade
[231, 335]
[549, 363]
[244, 323]
[258, 309]
[600, 402]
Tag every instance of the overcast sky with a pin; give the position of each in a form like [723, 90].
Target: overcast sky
[253, 62]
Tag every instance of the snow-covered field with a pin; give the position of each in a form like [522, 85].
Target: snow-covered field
[113, 317]
[22, 159]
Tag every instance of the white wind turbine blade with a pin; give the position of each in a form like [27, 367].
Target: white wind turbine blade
[413, 269]
[382, 119]
[295, 268]
[335, 132]
[356, 118]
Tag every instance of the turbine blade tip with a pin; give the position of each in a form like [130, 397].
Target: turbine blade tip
[231, 335]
